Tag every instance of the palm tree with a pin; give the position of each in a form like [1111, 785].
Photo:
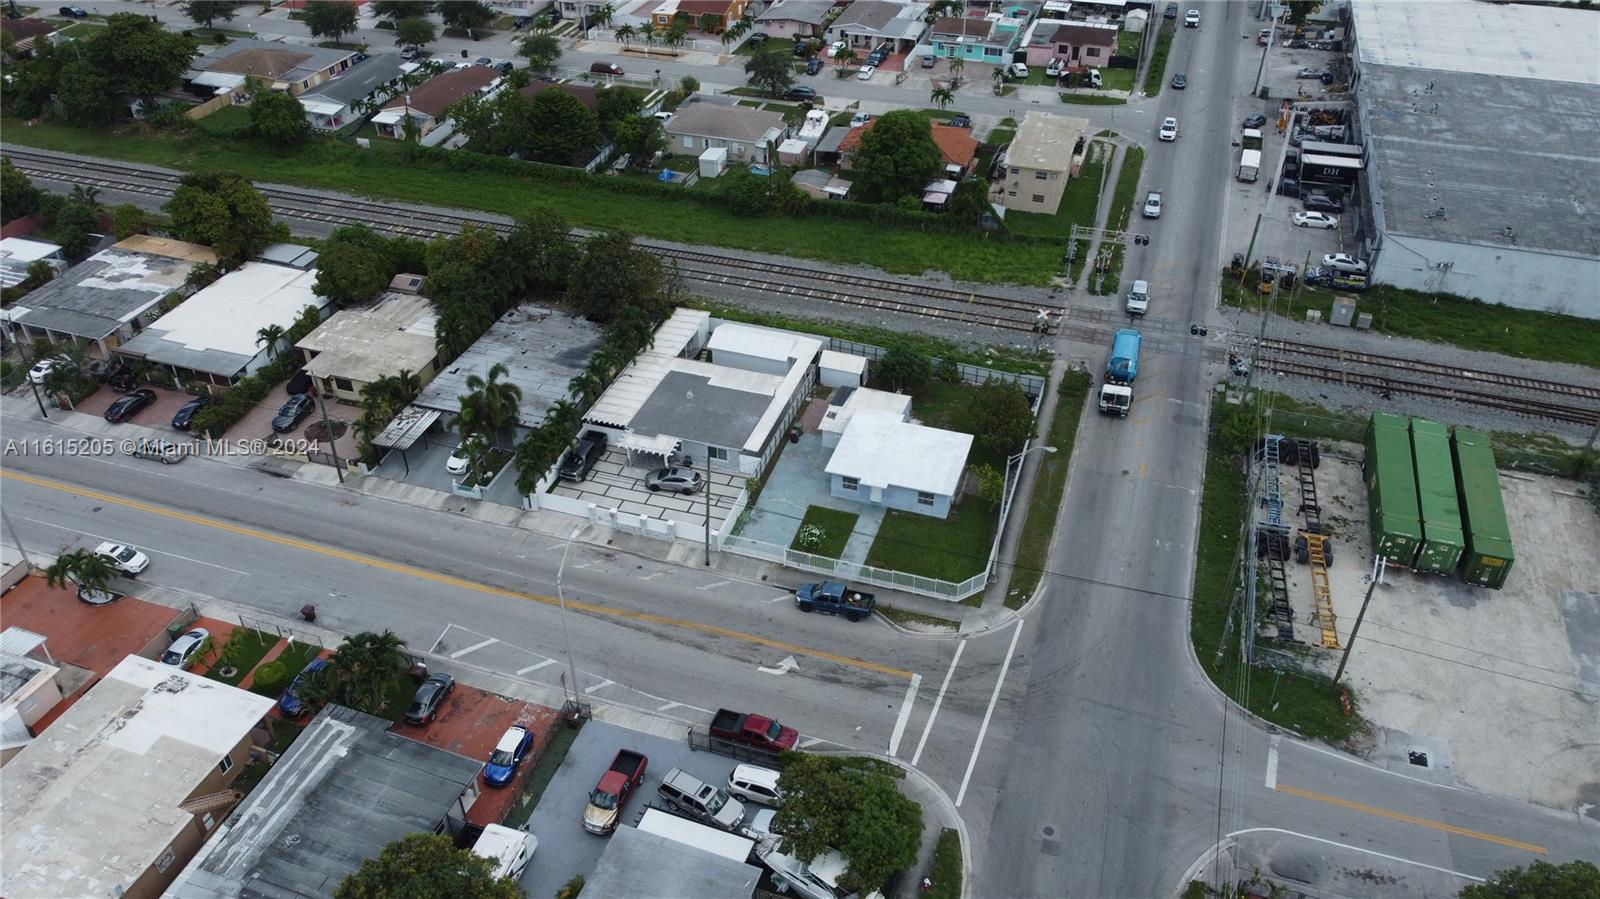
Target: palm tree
[585, 388]
[272, 336]
[602, 16]
[90, 572]
[647, 32]
[625, 34]
[564, 414]
[490, 405]
[88, 196]
[362, 673]
[677, 33]
[942, 97]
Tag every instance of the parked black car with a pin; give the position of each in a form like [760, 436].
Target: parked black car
[293, 412]
[800, 92]
[74, 12]
[1171, 12]
[425, 704]
[124, 409]
[961, 120]
[1321, 203]
[813, 65]
[186, 414]
[577, 463]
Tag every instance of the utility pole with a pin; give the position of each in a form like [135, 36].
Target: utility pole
[1372, 583]
[338, 467]
[16, 537]
[40, 400]
[707, 489]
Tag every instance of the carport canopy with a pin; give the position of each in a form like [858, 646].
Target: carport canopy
[407, 428]
[16, 641]
[660, 444]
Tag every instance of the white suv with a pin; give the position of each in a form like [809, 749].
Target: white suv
[1152, 205]
[1139, 298]
[1192, 19]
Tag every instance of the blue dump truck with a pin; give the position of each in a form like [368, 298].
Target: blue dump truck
[834, 598]
[1116, 394]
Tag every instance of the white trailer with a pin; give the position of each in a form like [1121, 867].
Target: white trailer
[1249, 165]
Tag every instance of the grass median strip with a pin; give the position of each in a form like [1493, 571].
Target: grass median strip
[1118, 218]
[1157, 74]
[908, 617]
[383, 172]
[945, 871]
[1044, 503]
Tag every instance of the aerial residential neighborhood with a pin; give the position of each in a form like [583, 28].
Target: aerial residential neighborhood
[835, 449]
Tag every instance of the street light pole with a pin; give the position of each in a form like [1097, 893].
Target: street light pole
[16, 537]
[38, 399]
[561, 598]
[1005, 492]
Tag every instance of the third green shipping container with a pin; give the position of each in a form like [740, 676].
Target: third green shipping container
[1442, 538]
[1483, 514]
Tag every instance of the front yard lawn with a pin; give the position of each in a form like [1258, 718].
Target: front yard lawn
[295, 657]
[1078, 202]
[950, 549]
[243, 649]
[834, 526]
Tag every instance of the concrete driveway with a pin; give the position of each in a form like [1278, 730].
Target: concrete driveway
[614, 484]
[798, 482]
[565, 848]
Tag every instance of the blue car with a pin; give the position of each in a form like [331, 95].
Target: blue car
[289, 704]
[508, 754]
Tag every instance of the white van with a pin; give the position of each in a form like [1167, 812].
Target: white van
[509, 850]
[1139, 298]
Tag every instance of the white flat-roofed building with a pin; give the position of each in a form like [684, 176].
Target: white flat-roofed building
[117, 794]
[886, 460]
[847, 402]
[355, 347]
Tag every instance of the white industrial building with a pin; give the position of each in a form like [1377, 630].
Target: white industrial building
[1483, 146]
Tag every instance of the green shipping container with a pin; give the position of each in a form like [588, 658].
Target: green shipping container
[1443, 540]
[1392, 490]
[1483, 513]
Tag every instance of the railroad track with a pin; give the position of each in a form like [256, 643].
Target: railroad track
[803, 283]
[1416, 368]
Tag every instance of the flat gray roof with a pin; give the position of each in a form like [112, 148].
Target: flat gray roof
[542, 348]
[361, 79]
[344, 790]
[636, 863]
[95, 297]
[718, 416]
[1461, 157]
[1516, 40]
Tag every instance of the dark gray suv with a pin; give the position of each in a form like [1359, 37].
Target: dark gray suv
[579, 460]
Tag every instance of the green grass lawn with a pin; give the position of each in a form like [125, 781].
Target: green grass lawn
[295, 657]
[1117, 79]
[1157, 74]
[81, 30]
[1092, 100]
[383, 172]
[1127, 44]
[836, 527]
[950, 549]
[945, 871]
[1442, 318]
[1078, 202]
[1049, 487]
[1119, 217]
[252, 646]
[1306, 704]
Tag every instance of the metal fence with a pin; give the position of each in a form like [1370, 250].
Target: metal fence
[1032, 385]
[855, 571]
[703, 741]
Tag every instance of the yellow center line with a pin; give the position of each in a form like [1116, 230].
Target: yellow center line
[1409, 819]
[448, 580]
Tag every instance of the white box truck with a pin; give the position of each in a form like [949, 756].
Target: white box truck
[509, 850]
[1249, 165]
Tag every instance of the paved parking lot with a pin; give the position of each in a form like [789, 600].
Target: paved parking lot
[469, 724]
[565, 848]
[423, 465]
[613, 484]
[156, 415]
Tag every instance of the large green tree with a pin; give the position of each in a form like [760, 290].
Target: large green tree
[87, 94]
[362, 673]
[277, 118]
[770, 70]
[206, 12]
[18, 196]
[560, 128]
[414, 32]
[542, 253]
[470, 16]
[139, 57]
[640, 138]
[612, 275]
[395, 10]
[853, 806]
[30, 84]
[331, 19]
[489, 407]
[897, 157]
[349, 274]
[426, 866]
[541, 48]
[617, 104]
[1003, 416]
[902, 366]
[76, 223]
[223, 211]
[1540, 880]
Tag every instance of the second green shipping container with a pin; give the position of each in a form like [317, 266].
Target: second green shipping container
[1483, 513]
[1442, 538]
[1392, 490]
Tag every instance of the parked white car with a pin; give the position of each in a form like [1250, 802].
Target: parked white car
[128, 560]
[1169, 129]
[865, 74]
[1316, 220]
[1344, 262]
[1017, 70]
[187, 649]
[43, 367]
[1052, 68]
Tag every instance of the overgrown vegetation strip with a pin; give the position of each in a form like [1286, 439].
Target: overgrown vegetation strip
[1117, 218]
[1049, 486]
[945, 872]
[1157, 73]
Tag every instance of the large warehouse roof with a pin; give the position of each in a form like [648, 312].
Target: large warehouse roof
[1517, 40]
[1462, 157]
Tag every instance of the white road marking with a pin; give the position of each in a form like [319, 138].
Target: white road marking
[779, 598]
[713, 585]
[440, 639]
[474, 647]
[600, 686]
[905, 715]
[1272, 764]
[669, 706]
[1392, 858]
[784, 667]
[989, 713]
[651, 577]
[158, 552]
[937, 702]
[1368, 765]
[807, 744]
[536, 666]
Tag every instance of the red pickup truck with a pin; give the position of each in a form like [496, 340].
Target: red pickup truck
[754, 730]
[611, 794]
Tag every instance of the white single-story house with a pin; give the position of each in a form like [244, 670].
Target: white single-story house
[885, 460]
[745, 133]
[212, 336]
[667, 405]
[847, 402]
